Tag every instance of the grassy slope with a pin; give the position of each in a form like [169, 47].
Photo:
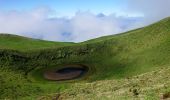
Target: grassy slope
[13, 82]
[154, 85]
[117, 56]
[20, 43]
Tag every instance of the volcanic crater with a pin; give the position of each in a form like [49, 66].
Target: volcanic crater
[67, 72]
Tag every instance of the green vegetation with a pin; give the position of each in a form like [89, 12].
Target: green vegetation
[111, 60]
[154, 85]
[15, 42]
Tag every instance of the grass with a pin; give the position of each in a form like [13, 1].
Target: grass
[148, 86]
[20, 43]
[112, 58]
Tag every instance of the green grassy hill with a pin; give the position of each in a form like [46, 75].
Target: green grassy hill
[115, 57]
[20, 43]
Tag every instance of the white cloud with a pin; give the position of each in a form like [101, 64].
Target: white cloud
[86, 25]
[153, 10]
[37, 23]
[81, 27]
[30, 23]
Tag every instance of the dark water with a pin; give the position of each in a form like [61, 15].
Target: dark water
[71, 70]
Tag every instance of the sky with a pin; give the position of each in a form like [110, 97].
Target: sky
[78, 20]
[65, 7]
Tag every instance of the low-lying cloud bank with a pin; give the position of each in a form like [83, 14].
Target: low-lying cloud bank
[81, 27]
[38, 23]
[153, 10]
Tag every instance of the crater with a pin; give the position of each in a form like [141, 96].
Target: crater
[68, 72]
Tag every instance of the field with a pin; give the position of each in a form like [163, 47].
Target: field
[130, 65]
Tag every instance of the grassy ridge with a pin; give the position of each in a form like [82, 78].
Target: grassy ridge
[111, 57]
[20, 43]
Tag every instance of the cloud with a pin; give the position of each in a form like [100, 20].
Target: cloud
[43, 24]
[87, 25]
[153, 10]
[82, 26]
[33, 23]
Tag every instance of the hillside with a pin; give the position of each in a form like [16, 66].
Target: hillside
[154, 85]
[20, 43]
[115, 57]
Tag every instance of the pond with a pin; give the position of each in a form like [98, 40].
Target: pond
[68, 72]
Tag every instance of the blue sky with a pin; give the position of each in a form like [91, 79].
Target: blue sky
[78, 20]
[66, 7]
